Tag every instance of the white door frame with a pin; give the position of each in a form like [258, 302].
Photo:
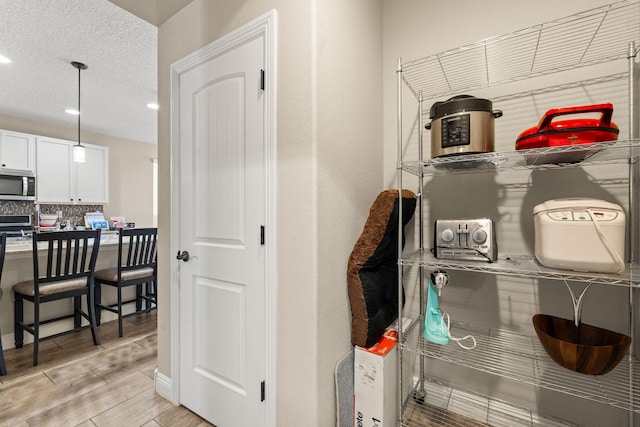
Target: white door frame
[263, 26]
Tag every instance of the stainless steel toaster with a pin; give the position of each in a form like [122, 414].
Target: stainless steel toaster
[465, 239]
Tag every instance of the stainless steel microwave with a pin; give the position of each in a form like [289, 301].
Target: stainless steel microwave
[17, 187]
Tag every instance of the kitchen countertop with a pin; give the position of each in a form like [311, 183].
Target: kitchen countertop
[25, 246]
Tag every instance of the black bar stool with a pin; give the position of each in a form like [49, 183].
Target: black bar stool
[70, 260]
[137, 266]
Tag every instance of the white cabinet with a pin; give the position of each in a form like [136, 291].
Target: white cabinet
[61, 180]
[91, 178]
[17, 152]
[54, 171]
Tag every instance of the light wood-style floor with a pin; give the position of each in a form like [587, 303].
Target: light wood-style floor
[79, 384]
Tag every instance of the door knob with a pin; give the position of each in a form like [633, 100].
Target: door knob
[184, 256]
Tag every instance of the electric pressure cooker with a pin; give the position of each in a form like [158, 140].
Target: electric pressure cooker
[462, 124]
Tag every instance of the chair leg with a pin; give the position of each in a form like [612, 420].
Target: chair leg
[150, 292]
[36, 331]
[119, 311]
[77, 307]
[18, 318]
[155, 293]
[97, 295]
[91, 306]
[139, 297]
[3, 367]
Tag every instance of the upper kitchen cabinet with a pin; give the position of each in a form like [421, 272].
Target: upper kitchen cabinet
[17, 152]
[54, 171]
[60, 180]
[92, 177]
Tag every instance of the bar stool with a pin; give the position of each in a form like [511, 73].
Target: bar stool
[137, 266]
[69, 267]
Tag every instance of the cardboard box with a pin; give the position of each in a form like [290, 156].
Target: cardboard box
[375, 386]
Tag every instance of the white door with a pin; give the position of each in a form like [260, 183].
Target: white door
[222, 188]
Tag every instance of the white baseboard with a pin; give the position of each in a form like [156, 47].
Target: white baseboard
[164, 386]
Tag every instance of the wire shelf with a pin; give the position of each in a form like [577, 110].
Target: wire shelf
[524, 266]
[535, 158]
[432, 404]
[521, 358]
[575, 41]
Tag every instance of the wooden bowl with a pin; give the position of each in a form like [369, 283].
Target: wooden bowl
[586, 349]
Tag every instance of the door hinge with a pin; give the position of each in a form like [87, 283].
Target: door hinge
[262, 235]
[262, 79]
[262, 391]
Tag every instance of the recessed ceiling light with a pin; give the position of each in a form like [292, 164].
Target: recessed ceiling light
[5, 60]
[72, 112]
[153, 106]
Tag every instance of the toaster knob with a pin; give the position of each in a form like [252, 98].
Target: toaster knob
[447, 235]
[479, 236]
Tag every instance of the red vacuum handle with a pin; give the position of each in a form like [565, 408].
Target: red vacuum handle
[605, 119]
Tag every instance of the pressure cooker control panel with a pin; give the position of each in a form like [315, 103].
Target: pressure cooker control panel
[455, 130]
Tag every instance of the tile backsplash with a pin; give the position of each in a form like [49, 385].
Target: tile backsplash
[75, 213]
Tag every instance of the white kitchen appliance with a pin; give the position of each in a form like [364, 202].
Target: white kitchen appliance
[580, 234]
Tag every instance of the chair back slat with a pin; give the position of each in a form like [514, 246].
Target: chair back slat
[145, 248]
[142, 250]
[67, 266]
[70, 255]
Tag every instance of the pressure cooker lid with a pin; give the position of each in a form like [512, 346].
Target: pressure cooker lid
[458, 104]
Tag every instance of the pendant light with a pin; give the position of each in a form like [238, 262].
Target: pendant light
[79, 153]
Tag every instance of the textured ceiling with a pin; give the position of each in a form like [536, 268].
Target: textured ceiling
[120, 49]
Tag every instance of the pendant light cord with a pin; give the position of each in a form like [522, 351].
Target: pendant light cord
[79, 70]
[80, 66]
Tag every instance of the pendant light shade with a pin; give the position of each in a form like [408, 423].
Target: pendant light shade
[79, 154]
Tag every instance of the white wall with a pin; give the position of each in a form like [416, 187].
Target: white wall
[414, 29]
[329, 170]
[348, 111]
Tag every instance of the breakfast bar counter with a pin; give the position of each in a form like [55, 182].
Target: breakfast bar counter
[24, 245]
